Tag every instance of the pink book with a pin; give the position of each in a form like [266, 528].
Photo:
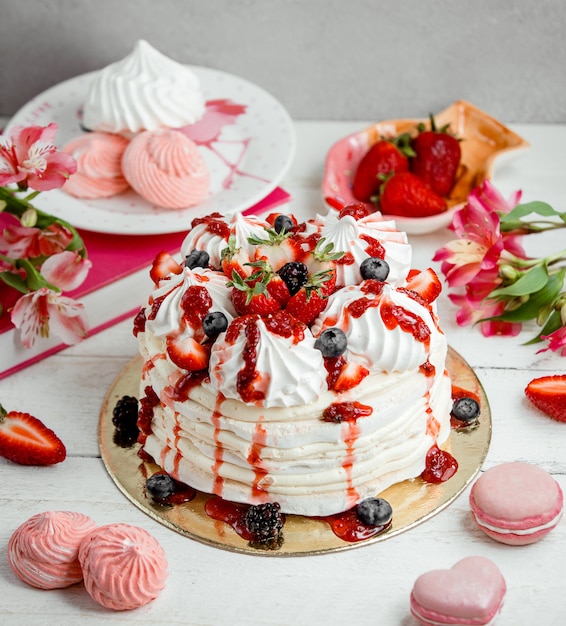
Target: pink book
[113, 291]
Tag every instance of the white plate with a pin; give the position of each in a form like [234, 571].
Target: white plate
[249, 156]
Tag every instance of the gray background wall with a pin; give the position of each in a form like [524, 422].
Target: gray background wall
[323, 59]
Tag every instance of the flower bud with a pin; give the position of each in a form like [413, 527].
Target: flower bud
[508, 273]
[29, 217]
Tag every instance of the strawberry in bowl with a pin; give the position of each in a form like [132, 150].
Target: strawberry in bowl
[463, 142]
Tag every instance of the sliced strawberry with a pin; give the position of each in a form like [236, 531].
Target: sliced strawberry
[350, 376]
[164, 265]
[234, 259]
[424, 283]
[277, 248]
[321, 262]
[407, 195]
[548, 393]
[187, 353]
[26, 440]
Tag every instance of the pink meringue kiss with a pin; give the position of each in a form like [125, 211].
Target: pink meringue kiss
[99, 166]
[43, 551]
[166, 168]
[124, 567]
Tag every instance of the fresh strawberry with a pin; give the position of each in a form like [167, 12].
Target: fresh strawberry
[164, 265]
[350, 376]
[234, 259]
[187, 353]
[424, 283]
[279, 248]
[263, 292]
[321, 261]
[406, 195]
[548, 393]
[437, 157]
[310, 300]
[384, 157]
[26, 440]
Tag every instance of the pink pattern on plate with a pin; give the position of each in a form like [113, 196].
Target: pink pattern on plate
[206, 132]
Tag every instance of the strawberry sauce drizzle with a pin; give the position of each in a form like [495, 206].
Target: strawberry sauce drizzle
[374, 247]
[255, 460]
[440, 466]
[346, 412]
[219, 449]
[215, 224]
[394, 316]
[351, 434]
[348, 527]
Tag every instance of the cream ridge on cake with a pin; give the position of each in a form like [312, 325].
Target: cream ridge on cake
[299, 364]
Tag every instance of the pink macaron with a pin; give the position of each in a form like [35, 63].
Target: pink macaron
[471, 592]
[516, 503]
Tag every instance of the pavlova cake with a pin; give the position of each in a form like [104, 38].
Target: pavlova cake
[297, 364]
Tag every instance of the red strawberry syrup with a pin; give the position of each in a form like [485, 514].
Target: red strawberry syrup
[348, 527]
[440, 466]
[230, 513]
[346, 412]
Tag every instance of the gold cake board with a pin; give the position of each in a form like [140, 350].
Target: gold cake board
[413, 501]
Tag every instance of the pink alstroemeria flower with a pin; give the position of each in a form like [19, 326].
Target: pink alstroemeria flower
[42, 312]
[23, 242]
[30, 158]
[480, 244]
[556, 341]
[66, 270]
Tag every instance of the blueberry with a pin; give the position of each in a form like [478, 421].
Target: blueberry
[214, 324]
[374, 512]
[283, 223]
[332, 342]
[160, 486]
[465, 409]
[294, 274]
[375, 268]
[197, 258]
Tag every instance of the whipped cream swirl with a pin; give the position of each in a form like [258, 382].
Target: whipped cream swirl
[144, 91]
[288, 371]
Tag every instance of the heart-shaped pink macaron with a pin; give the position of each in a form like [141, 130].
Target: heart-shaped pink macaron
[471, 592]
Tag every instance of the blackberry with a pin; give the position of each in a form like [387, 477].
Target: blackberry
[283, 223]
[332, 342]
[466, 410]
[125, 412]
[214, 323]
[294, 274]
[125, 420]
[264, 522]
[197, 258]
[160, 486]
[374, 512]
[375, 268]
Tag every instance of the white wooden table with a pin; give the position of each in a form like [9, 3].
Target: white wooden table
[367, 585]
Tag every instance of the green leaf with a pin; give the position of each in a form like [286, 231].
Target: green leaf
[533, 280]
[521, 210]
[14, 281]
[537, 301]
[553, 323]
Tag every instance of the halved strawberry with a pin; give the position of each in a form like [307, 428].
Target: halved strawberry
[164, 265]
[278, 248]
[321, 261]
[425, 283]
[233, 259]
[26, 440]
[187, 353]
[350, 376]
[548, 393]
